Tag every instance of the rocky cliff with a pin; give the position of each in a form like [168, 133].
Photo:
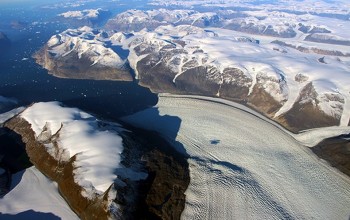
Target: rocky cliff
[335, 151]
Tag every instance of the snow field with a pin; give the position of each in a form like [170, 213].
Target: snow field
[37, 193]
[97, 151]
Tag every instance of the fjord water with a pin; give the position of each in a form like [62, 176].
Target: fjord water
[21, 78]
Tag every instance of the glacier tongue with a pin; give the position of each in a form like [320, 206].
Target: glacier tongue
[242, 166]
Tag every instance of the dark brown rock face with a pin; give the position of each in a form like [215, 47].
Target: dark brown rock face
[165, 197]
[238, 89]
[161, 195]
[156, 77]
[304, 114]
[336, 151]
[194, 81]
[262, 101]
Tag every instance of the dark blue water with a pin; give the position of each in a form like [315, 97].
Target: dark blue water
[23, 79]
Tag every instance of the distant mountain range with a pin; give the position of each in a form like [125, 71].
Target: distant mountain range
[276, 24]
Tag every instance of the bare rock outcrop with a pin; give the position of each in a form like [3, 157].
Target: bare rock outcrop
[336, 151]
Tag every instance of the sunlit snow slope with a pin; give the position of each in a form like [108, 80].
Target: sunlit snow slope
[34, 196]
[244, 167]
[97, 151]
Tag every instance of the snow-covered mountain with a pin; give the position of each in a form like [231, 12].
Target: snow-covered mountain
[228, 53]
[293, 87]
[84, 14]
[260, 22]
[82, 53]
[300, 89]
[101, 168]
[291, 67]
[136, 20]
[88, 17]
[77, 151]
[325, 8]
